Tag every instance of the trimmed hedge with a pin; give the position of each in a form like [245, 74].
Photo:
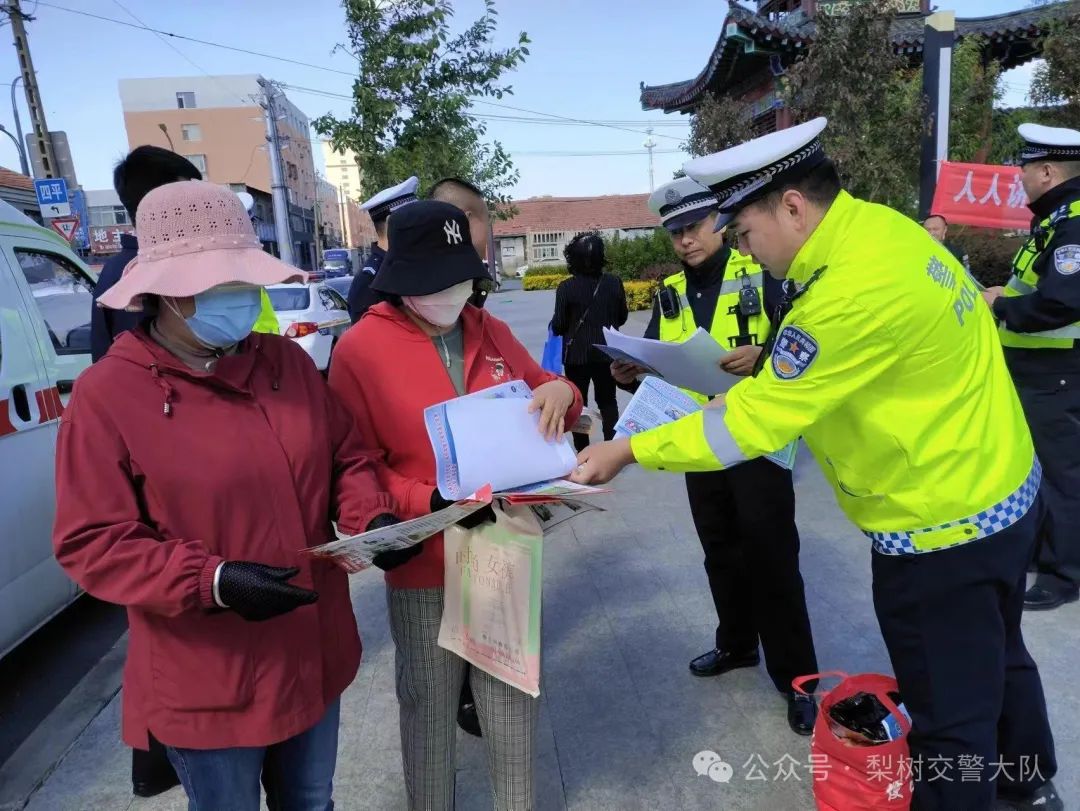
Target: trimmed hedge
[547, 282]
[547, 270]
[638, 294]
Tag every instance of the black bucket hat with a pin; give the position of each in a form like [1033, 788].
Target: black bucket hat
[430, 250]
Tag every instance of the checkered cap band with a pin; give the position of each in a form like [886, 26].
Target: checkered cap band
[986, 523]
[737, 191]
[704, 200]
[384, 210]
[1041, 152]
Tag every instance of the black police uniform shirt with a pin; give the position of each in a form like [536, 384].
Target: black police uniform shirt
[1057, 302]
[703, 291]
[361, 296]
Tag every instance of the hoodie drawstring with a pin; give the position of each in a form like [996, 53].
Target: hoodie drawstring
[165, 386]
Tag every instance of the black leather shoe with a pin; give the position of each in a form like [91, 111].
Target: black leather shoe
[801, 713]
[719, 661]
[468, 720]
[1045, 598]
[1045, 798]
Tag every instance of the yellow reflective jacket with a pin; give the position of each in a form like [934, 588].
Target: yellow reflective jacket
[725, 327]
[889, 366]
[267, 322]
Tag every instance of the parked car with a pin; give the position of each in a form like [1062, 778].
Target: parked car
[341, 285]
[45, 305]
[313, 314]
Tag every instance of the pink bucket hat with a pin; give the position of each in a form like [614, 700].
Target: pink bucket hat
[194, 235]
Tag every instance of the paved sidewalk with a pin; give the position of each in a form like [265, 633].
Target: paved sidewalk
[625, 608]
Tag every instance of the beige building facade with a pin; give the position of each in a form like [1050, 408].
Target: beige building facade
[343, 170]
[218, 123]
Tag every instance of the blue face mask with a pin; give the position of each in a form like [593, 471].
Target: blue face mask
[225, 316]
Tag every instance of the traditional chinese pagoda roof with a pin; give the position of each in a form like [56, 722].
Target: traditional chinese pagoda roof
[750, 43]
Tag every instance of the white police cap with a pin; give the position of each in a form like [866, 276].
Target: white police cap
[389, 200]
[1049, 143]
[681, 203]
[742, 174]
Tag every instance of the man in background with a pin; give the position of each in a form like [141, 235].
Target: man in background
[143, 170]
[470, 199]
[938, 227]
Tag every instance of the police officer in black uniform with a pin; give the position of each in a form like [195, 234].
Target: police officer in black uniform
[379, 207]
[1039, 316]
[745, 516]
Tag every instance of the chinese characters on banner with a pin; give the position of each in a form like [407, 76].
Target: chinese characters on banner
[986, 196]
[106, 239]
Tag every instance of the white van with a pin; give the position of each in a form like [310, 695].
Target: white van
[45, 306]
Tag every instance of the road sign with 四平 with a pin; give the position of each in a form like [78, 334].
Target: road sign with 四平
[52, 197]
[65, 226]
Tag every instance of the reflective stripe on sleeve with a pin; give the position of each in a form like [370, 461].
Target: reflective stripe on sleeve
[720, 440]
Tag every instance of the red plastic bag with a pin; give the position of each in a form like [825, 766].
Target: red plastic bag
[848, 777]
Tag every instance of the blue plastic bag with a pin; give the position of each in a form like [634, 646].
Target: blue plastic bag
[552, 360]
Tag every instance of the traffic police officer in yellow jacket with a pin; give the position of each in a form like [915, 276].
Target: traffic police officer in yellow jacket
[1039, 316]
[887, 362]
[745, 517]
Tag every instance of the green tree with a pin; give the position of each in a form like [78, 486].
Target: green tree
[412, 98]
[975, 90]
[1055, 84]
[872, 99]
[719, 123]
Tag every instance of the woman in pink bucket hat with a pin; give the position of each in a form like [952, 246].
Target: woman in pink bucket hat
[196, 461]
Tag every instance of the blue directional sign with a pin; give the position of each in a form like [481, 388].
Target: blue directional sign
[52, 197]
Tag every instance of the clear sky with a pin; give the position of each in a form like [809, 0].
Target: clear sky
[588, 57]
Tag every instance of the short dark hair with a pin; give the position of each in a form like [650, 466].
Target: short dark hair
[458, 192]
[144, 169]
[820, 186]
[381, 226]
[936, 217]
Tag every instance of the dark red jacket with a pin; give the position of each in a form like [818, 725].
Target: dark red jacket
[386, 371]
[163, 472]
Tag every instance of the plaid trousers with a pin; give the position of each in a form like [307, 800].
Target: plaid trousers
[429, 681]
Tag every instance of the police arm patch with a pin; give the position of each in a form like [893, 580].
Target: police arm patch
[1067, 259]
[794, 353]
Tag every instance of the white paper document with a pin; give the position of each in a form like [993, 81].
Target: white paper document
[355, 553]
[693, 364]
[482, 439]
[657, 403]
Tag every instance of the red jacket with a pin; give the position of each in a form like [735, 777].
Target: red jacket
[387, 371]
[162, 473]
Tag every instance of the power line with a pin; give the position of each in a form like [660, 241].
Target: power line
[328, 69]
[550, 118]
[182, 55]
[197, 40]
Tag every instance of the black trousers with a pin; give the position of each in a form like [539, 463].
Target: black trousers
[745, 519]
[1052, 407]
[603, 393]
[951, 623]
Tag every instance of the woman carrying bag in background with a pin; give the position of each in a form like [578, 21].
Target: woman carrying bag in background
[584, 304]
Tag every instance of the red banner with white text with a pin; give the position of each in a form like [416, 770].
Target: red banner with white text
[982, 195]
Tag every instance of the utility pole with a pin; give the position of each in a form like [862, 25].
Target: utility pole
[19, 131]
[282, 223]
[33, 95]
[650, 144]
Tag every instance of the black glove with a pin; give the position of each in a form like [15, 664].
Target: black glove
[394, 558]
[469, 522]
[259, 592]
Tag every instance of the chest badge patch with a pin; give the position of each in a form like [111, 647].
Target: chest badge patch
[793, 354]
[1067, 259]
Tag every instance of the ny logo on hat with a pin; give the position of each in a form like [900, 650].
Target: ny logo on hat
[453, 232]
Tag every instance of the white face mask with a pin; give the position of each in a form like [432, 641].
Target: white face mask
[443, 308]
